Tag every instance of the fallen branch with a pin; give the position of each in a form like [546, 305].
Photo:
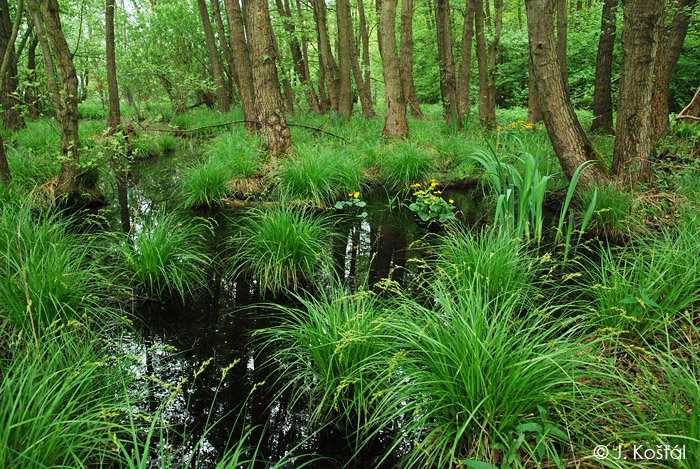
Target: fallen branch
[243, 121]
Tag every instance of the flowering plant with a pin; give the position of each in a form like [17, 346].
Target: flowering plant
[429, 205]
[354, 202]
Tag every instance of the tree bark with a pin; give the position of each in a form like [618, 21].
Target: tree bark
[228, 55]
[52, 82]
[669, 50]
[634, 145]
[114, 114]
[562, 26]
[602, 97]
[345, 33]
[30, 97]
[487, 116]
[448, 80]
[241, 55]
[364, 38]
[11, 117]
[534, 110]
[268, 98]
[395, 121]
[68, 186]
[569, 141]
[325, 55]
[6, 58]
[406, 59]
[464, 74]
[494, 52]
[217, 73]
[363, 87]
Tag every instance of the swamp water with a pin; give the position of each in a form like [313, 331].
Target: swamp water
[198, 363]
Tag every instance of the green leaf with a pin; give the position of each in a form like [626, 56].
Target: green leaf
[339, 205]
[361, 204]
[530, 427]
[473, 463]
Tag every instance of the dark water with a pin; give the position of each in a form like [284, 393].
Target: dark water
[236, 391]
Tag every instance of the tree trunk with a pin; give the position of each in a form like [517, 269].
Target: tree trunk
[345, 34]
[315, 102]
[364, 38]
[325, 55]
[634, 146]
[30, 97]
[268, 98]
[602, 97]
[51, 81]
[494, 52]
[569, 141]
[363, 87]
[448, 81]
[669, 50]
[217, 73]
[228, 56]
[464, 74]
[534, 110]
[11, 117]
[562, 22]
[241, 56]
[5, 60]
[68, 186]
[395, 122]
[406, 62]
[486, 116]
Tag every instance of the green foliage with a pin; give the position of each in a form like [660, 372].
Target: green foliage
[318, 177]
[166, 257]
[281, 246]
[237, 153]
[206, 183]
[354, 203]
[47, 272]
[429, 204]
[616, 215]
[405, 163]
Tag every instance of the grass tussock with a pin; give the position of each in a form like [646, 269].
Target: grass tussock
[281, 246]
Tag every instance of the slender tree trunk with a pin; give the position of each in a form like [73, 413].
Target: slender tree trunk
[406, 62]
[534, 110]
[602, 97]
[486, 116]
[30, 97]
[11, 117]
[494, 52]
[364, 38]
[363, 88]
[464, 74]
[325, 55]
[315, 103]
[268, 98]
[395, 121]
[228, 55]
[287, 92]
[241, 56]
[562, 26]
[669, 50]
[345, 35]
[570, 143]
[448, 80]
[5, 59]
[634, 145]
[51, 80]
[68, 186]
[114, 114]
[217, 73]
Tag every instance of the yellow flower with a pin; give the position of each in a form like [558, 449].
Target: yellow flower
[350, 194]
[356, 195]
[452, 201]
[433, 184]
[438, 192]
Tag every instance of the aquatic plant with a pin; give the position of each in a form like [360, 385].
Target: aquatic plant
[165, 257]
[405, 163]
[318, 177]
[206, 183]
[429, 204]
[47, 272]
[332, 348]
[280, 246]
[476, 380]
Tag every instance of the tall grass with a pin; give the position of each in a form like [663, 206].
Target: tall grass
[237, 153]
[47, 272]
[206, 183]
[166, 257]
[405, 163]
[281, 246]
[318, 177]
